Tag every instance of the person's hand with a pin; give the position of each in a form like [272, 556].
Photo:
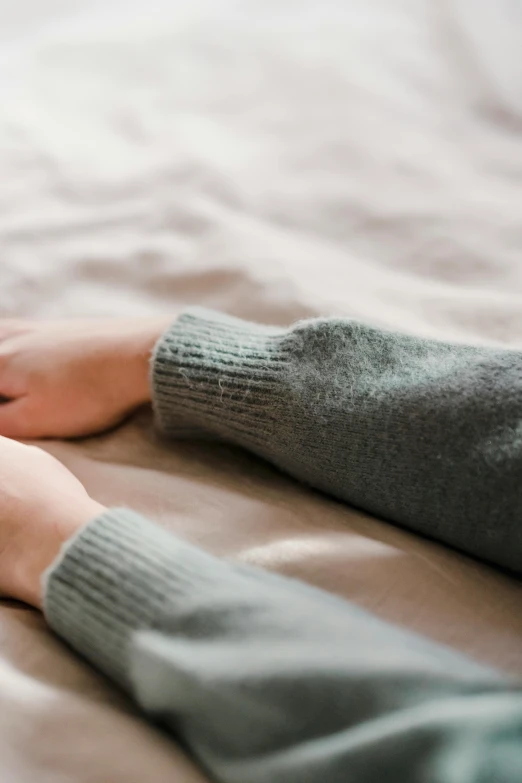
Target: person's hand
[41, 506]
[72, 378]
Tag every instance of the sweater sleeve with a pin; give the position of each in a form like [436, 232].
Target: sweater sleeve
[267, 680]
[422, 433]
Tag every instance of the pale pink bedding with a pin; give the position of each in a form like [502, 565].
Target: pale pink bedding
[276, 160]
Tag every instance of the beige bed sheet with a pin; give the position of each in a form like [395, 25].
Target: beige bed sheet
[277, 160]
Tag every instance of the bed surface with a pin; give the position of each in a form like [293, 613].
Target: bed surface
[277, 160]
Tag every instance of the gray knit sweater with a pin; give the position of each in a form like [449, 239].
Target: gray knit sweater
[265, 679]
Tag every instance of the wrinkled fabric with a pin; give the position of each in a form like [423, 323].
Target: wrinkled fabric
[276, 161]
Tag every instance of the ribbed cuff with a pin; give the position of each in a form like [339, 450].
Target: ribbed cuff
[120, 574]
[213, 374]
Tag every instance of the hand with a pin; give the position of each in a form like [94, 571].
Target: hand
[41, 505]
[72, 378]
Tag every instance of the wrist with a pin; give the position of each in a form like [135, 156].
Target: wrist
[136, 360]
[67, 524]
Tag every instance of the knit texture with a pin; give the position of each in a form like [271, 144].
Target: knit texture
[419, 432]
[268, 680]
[121, 574]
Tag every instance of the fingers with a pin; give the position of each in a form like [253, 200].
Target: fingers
[13, 380]
[16, 420]
[5, 349]
[12, 384]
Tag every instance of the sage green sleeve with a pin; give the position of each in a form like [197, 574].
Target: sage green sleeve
[422, 433]
[267, 680]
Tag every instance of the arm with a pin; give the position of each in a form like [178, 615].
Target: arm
[267, 680]
[422, 433]
[264, 679]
